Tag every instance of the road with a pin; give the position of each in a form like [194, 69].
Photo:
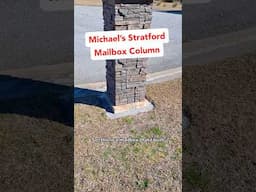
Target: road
[217, 17]
[34, 38]
[217, 30]
[89, 19]
[30, 36]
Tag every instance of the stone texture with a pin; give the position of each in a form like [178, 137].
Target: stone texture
[126, 77]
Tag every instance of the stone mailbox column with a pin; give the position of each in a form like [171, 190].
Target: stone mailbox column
[126, 77]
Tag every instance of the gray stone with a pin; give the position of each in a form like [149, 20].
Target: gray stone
[126, 77]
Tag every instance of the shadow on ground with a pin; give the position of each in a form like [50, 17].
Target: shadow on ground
[36, 118]
[92, 97]
[36, 136]
[36, 99]
[172, 12]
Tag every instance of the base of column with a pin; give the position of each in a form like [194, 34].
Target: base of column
[130, 109]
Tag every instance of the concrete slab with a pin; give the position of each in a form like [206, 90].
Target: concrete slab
[101, 100]
[130, 109]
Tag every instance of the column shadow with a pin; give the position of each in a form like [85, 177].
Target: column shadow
[36, 99]
[93, 97]
[36, 121]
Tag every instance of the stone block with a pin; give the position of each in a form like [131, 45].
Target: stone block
[128, 21]
[121, 27]
[126, 77]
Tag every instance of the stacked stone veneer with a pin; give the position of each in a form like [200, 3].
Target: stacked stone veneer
[126, 77]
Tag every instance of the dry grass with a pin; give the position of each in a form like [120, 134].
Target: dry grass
[36, 154]
[136, 166]
[219, 147]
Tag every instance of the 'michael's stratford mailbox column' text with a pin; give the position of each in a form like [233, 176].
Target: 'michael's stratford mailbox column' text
[126, 77]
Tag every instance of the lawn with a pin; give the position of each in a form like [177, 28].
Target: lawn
[219, 145]
[131, 166]
[36, 154]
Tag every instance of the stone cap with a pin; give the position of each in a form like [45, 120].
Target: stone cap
[127, 1]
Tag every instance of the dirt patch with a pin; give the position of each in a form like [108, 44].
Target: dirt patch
[112, 164]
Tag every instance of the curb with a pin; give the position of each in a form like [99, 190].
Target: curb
[219, 47]
[156, 77]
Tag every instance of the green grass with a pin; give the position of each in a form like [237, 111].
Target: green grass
[142, 184]
[128, 120]
[177, 153]
[107, 153]
[156, 131]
